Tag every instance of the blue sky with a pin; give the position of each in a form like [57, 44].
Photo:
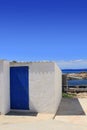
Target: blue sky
[33, 30]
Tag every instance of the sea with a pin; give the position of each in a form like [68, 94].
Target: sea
[75, 82]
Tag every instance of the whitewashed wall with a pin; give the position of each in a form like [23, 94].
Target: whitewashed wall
[4, 87]
[44, 86]
[58, 86]
[42, 91]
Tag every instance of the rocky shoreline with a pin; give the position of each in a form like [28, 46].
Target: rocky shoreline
[81, 75]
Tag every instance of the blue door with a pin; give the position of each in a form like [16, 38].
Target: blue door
[19, 91]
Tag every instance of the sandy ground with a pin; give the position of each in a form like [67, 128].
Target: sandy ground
[64, 119]
[82, 95]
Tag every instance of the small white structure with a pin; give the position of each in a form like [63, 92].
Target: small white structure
[44, 87]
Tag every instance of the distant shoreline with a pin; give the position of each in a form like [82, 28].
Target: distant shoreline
[66, 71]
[76, 76]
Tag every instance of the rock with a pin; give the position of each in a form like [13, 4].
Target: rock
[81, 75]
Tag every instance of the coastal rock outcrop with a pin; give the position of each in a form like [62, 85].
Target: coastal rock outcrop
[81, 75]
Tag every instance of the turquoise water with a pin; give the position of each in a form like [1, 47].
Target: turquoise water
[74, 82]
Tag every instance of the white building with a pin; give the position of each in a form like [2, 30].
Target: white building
[33, 86]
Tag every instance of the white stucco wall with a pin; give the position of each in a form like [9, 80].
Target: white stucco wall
[44, 86]
[1, 72]
[58, 86]
[4, 87]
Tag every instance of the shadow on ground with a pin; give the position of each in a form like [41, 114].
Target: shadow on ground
[70, 106]
[19, 113]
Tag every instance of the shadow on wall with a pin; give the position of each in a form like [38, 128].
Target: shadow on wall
[70, 106]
